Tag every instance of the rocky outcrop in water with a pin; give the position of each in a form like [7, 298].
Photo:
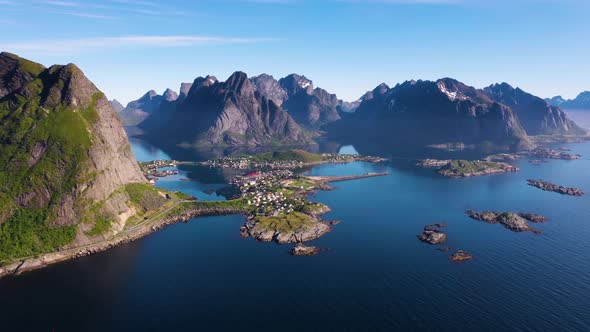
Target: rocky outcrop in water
[516, 222]
[548, 186]
[546, 153]
[253, 228]
[461, 256]
[432, 234]
[302, 250]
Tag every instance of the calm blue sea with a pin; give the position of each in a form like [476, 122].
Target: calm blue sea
[374, 275]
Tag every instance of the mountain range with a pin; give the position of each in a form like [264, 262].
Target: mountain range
[581, 102]
[233, 112]
[448, 112]
[262, 110]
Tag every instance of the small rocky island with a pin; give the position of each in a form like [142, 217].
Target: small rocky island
[432, 234]
[460, 256]
[547, 153]
[516, 222]
[548, 186]
[538, 154]
[302, 250]
[467, 168]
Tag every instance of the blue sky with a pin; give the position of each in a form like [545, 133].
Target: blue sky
[345, 46]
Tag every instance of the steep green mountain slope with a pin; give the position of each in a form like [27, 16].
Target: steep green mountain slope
[65, 158]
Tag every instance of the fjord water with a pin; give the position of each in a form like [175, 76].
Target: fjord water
[374, 274]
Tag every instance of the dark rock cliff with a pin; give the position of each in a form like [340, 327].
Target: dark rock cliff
[427, 112]
[226, 113]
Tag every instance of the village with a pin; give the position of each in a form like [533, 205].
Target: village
[281, 161]
[273, 193]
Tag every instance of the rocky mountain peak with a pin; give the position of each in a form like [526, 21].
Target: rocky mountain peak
[170, 95]
[239, 83]
[582, 101]
[203, 82]
[184, 89]
[537, 116]
[294, 83]
[69, 86]
[380, 89]
[149, 95]
[267, 86]
[16, 72]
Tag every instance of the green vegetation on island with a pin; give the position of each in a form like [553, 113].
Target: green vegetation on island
[467, 168]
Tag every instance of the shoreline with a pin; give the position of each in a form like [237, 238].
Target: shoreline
[127, 236]
[150, 226]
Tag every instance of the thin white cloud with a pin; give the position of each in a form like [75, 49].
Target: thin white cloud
[69, 46]
[407, 2]
[136, 3]
[61, 3]
[88, 15]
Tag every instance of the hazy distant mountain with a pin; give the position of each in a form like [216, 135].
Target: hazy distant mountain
[225, 113]
[139, 110]
[536, 115]
[426, 112]
[582, 101]
[116, 105]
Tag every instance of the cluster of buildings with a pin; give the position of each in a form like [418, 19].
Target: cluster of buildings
[252, 162]
[262, 190]
[243, 162]
[339, 158]
[248, 162]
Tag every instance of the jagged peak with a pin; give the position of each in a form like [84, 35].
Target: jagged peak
[28, 66]
[204, 81]
[448, 84]
[67, 85]
[239, 81]
[150, 94]
[264, 76]
[185, 88]
[380, 89]
[170, 95]
[300, 81]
